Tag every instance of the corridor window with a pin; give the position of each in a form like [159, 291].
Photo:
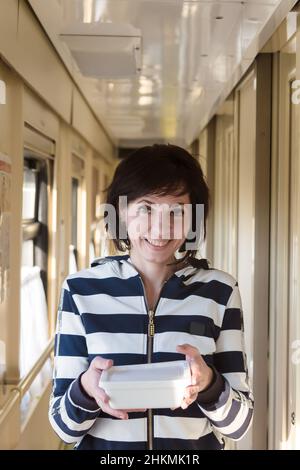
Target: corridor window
[73, 258]
[36, 178]
[77, 247]
[29, 191]
[34, 272]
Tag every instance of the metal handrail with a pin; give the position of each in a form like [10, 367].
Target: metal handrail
[17, 392]
[13, 399]
[25, 383]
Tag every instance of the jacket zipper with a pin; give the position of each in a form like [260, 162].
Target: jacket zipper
[151, 332]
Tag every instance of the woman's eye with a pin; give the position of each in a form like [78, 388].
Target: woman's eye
[178, 211]
[144, 210]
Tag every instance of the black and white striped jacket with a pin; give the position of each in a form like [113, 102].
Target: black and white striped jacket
[103, 312]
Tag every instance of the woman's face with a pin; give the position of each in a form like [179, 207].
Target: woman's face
[158, 225]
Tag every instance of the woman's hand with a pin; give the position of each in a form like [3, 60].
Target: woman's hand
[202, 374]
[90, 383]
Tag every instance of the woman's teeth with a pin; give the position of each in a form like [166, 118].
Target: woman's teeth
[156, 242]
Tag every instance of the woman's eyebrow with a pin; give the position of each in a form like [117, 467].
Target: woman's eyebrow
[151, 202]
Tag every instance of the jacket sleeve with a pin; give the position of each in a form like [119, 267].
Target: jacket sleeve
[228, 404]
[71, 412]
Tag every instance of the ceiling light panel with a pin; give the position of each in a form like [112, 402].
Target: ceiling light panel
[104, 50]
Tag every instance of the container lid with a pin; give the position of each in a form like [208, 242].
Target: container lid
[146, 374]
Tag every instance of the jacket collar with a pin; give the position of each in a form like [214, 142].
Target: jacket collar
[184, 273]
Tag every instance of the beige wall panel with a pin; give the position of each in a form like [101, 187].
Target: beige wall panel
[88, 197]
[284, 422]
[224, 197]
[79, 151]
[254, 95]
[246, 213]
[6, 111]
[8, 29]
[207, 162]
[38, 63]
[262, 314]
[11, 144]
[296, 237]
[86, 124]
[203, 143]
[79, 146]
[63, 168]
[40, 116]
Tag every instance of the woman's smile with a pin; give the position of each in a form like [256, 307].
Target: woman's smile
[156, 244]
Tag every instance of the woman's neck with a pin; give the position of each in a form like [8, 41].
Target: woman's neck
[154, 274]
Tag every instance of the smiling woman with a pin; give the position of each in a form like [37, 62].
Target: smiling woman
[152, 305]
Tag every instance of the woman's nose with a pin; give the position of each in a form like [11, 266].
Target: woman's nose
[160, 226]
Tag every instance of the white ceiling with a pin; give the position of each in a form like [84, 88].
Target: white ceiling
[190, 51]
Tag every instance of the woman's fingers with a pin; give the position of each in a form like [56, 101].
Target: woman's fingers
[100, 363]
[190, 395]
[121, 414]
[191, 390]
[100, 395]
[90, 379]
[188, 350]
[187, 401]
[194, 357]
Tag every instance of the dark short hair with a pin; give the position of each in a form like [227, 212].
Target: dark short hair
[160, 170]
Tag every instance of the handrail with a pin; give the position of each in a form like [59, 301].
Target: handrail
[25, 383]
[17, 392]
[13, 399]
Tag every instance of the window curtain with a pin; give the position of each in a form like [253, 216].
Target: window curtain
[34, 331]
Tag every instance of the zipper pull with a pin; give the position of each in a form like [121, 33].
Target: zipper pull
[151, 324]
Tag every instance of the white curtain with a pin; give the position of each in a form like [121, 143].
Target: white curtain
[34, 330]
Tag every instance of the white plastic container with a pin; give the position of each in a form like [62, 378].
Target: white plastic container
[157, 385]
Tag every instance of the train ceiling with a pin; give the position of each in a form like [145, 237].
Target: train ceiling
[156, 70]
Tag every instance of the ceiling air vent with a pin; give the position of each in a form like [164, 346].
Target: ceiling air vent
[105, 50]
